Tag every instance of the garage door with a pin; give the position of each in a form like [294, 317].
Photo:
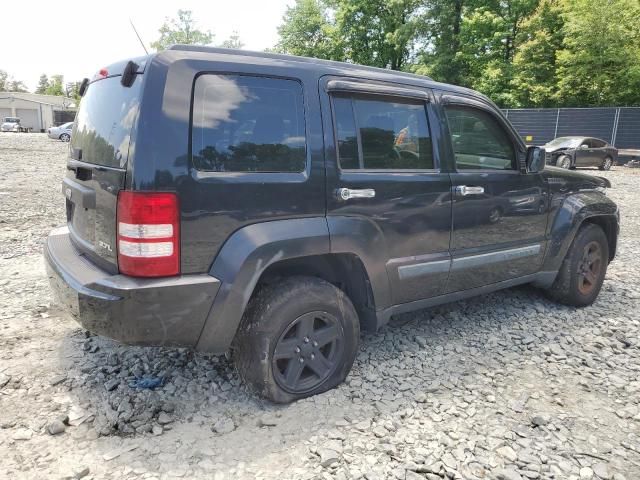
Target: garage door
[5, 112]
[28, 118]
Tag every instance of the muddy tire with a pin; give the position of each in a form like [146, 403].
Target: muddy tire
[583, 270]
[298, 337]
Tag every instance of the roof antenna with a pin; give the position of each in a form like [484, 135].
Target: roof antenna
[137, 35]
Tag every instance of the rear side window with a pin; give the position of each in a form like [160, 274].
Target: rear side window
[248, 124]
[378, 134]
[479, 141]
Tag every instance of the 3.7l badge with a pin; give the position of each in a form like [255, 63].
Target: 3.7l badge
[104, 246]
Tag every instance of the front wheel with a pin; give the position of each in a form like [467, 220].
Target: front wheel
[606, 165]
[298, 337]
[583, 270]
[495, 215]
[65, 137]
[564, 161]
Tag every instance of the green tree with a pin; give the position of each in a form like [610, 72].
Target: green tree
[43, 83]
[380, 33]
[10, 84]
[488, 43]
[72, 90]
[521, 53]
[441, 26]
[181, 30]
[4, 76]
[600, 60]
[306, 31]
[473, 43]
[56, 86]
[535, 79]
[14, 85]
[233, 41]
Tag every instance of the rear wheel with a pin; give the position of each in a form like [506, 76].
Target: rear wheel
[606, 165]
[583, 270]
[65, 137]
[495, 215]
[299, 337]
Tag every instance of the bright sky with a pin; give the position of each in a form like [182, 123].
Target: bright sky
[76, 38]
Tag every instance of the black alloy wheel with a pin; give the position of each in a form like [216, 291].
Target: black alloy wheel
[298, 337]
[307, 352]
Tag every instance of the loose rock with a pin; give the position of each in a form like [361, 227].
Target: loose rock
[56, 427]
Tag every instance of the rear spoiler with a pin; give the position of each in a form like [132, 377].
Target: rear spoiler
[127, 69]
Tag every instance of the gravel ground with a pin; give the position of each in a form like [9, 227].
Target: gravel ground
[508, 386]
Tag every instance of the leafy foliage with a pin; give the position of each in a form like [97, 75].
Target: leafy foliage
[233, 41]
[10, 84]
[43, 83]
[535, 66]
[307, 31]
[533, 53]
[55, 86]
[182, 30]
[600, 60]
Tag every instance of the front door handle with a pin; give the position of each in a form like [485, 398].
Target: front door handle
[464, 190]
[347, 193]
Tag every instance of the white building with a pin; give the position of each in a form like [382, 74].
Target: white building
[35, 111]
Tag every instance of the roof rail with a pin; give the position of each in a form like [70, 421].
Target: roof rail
[291, 58]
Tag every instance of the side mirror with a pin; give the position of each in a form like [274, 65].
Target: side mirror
[584, 146]
[535, 159]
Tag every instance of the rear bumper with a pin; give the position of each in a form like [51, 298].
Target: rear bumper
[167, 311]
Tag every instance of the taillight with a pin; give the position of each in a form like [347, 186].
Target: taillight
[148, 234]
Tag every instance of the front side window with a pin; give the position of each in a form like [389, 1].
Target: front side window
[382, 134]
[479, 141]
[248, 124]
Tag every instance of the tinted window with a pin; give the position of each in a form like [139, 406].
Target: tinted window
[479, 141]
[107, 113]
[248, 124]
[346, 133]
[393, 134]
[595, 143]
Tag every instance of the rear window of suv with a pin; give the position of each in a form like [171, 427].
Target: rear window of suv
[244, 123]
[107, 113]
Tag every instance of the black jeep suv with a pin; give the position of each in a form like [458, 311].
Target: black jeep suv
[275, 205]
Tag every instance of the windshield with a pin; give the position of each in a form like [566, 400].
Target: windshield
[565, 142]
[107, 112]
[11, 120]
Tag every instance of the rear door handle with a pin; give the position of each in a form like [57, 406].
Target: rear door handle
[348, 194]
[464, 190]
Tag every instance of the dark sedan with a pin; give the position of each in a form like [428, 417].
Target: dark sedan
[572, 152]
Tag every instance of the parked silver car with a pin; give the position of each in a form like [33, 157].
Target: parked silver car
[10, 124]
[62, 132]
